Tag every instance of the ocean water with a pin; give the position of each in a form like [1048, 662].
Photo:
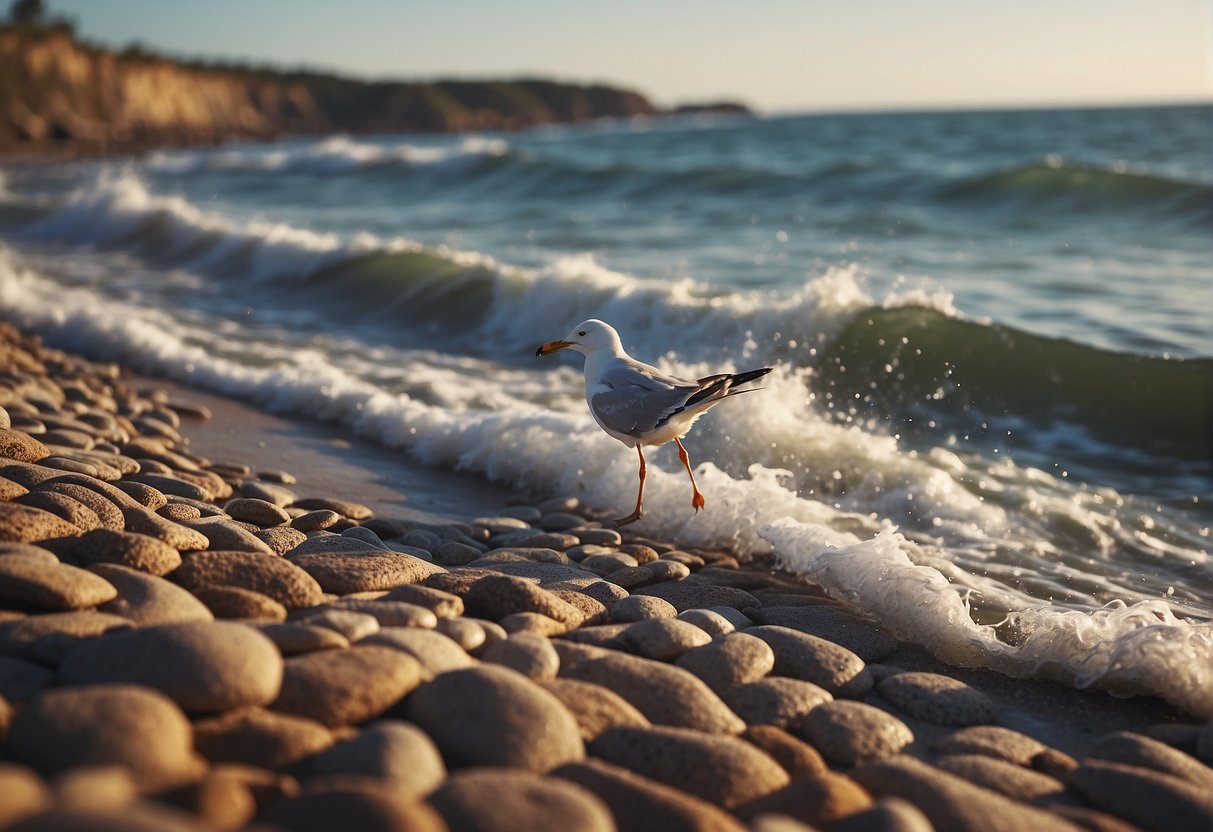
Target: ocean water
[989, 422]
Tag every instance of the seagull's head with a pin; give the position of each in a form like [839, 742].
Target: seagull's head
[585, 338]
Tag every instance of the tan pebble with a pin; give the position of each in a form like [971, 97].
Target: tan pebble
[798, 758]
[938, 699]
[849, 733]
[735, 659]
[824, 663]
[137, 551]
[346, 508]
[775, 700]
[73, 511]
[276, 494]
[861, 637]
[99, 787]
[437, 653]
[531, 655]
[294, 638]
[20, 446]
[257, 737]
[498, 596]
[817, 800]
[347, 687]
[30, 581]
[49, 636]
[143, 521]
[533, 622]
[10, 490]
[630, 577]
[221, 799]
[478, 799]
[283, 477]
[268, 574]
[179, 512]
[143, 494]
[641, 608]
[672, 571]
[109, 514]
[387, 749]
[889, 813]
[373, 569]
[468, 634]
[22, 523]
[258, 512]
[663, 639]
[1001, 776]
[641, 553]
[149, 600]
[227, 535]
[711, 622]
[595, 708]
[239, 603]
[355, 626]
[280, 539]
[442, 604]
[389, 613]
[351, 803]
[993, 741]
[1138, 750]
[592, 610]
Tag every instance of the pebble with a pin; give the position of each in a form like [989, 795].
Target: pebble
[47, 638]
[950, 802]
[181, 538]
[630, 577]
[257, 737]
[270, 575]
[592, 611]
[355, 626]
[390, 613]
[665, 694]
[339, 573]
[271, 493]
[26, 524]
[148, 600]
[239, 603]
[347, 687]
[64, 507]
[861, 637]
[849, 733]
[993, 741]
[527, 514]
[639, 803]
[147, 496]
[346, 508]
[775, 700]
[387, 749]
[641, 608]
[798, 758]
[1151, 799]
[105, 788]
[435, 652]
[489, 715]
[670, 571]
[824, 663]
[597, 537]
[724, 770]
[226, 535]
[360, 804]
[607, 563]
[20, 446]
[1138, 750]
[685, 595]
[293, 638]
[734, 659]
[315, 520]
[469, 635]
[937, 699]
[500, 800]
[280, 539]
[710, 621]
[139, 729]
[531, 655]
[29, 581]
[137, 551]
[169, 484]
[19, 681]
[24, 794]
[533, 622]
[258, 512]
[642, 553]
[452, 553]
[663, 639]
[889, 814]
[1008, 779]
[498, 596]
[204, 666]
[818, 801]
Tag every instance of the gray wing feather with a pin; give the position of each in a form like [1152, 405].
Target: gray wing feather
[636, 403]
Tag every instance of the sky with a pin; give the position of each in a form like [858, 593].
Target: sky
[774, 55]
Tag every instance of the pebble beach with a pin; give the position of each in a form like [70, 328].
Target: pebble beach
[195, 643]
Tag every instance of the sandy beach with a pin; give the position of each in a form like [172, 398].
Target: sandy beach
[216, 618]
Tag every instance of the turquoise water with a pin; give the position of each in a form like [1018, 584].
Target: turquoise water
[990, 331]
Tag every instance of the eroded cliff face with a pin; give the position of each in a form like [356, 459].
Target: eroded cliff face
[57, 91]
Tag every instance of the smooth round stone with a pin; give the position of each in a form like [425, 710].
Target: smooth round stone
[239, 603]
[109, 515]
[27, 524]
[24, 794]
[315, 520]
[849, 733]
[938, 699]
[280, 539]
[139, 729]
[421, 538]
[527, 514]
[710, 621]
[685, 595]
[32, 582]
[47, 638]
[1139, 750]
[665, 694]
[365, 535]
[734, 659]
[147, 496]
[640, 803]
[436, 652]
[137, 551]
[390, 613]
[19, 681]
[489, 715]
[257, 737]
[993, 741]
[258, 512]
[662, 639]
[453, 553]
[597, 537]
[605, 564]
[594, 707]
[630, 577]
[775, 700]
[950, 802]
[347, 687]
[1143, 796]
[293, 637]
[148, 600]
[73, 511]
[498, 596]
[824, 663]
[22, 447]
[181, 538]
[818, 802]
[10, 490]
[355, 626]
[861, 637]
[499, 800]
[351, 803]
[227, 536]
[169, 484]
[641, 608]
[1005, 778]
[340, 573]
[531, 655]
[724, 770]
[346, 508]
[271, 493]
[798, 758]
[642, 553]
[204, 666]
[670, 571]
[270, 575]
[468, 634]
[273, 475]
[592, 611]
[387, 750]
[553, 522]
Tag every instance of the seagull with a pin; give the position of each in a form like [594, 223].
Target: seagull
[640, 405]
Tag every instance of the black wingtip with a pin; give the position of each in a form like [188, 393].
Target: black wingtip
[742, 378]
[539, 352]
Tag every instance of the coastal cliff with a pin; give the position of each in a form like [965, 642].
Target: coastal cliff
[57, 92]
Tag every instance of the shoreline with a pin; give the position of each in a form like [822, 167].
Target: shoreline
[616, 650]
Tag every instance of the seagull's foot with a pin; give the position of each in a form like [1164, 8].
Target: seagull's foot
[631, 518]
[697, 502]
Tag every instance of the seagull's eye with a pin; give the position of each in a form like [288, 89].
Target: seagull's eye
[581, 334]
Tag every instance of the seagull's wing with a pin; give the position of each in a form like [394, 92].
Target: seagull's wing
[628, 400]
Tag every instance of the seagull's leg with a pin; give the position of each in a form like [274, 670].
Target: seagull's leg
[635, 515]
[697, 500]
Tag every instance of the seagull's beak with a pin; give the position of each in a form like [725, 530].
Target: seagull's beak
[551, 347]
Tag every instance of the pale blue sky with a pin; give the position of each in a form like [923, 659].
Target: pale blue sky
[777, 55]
